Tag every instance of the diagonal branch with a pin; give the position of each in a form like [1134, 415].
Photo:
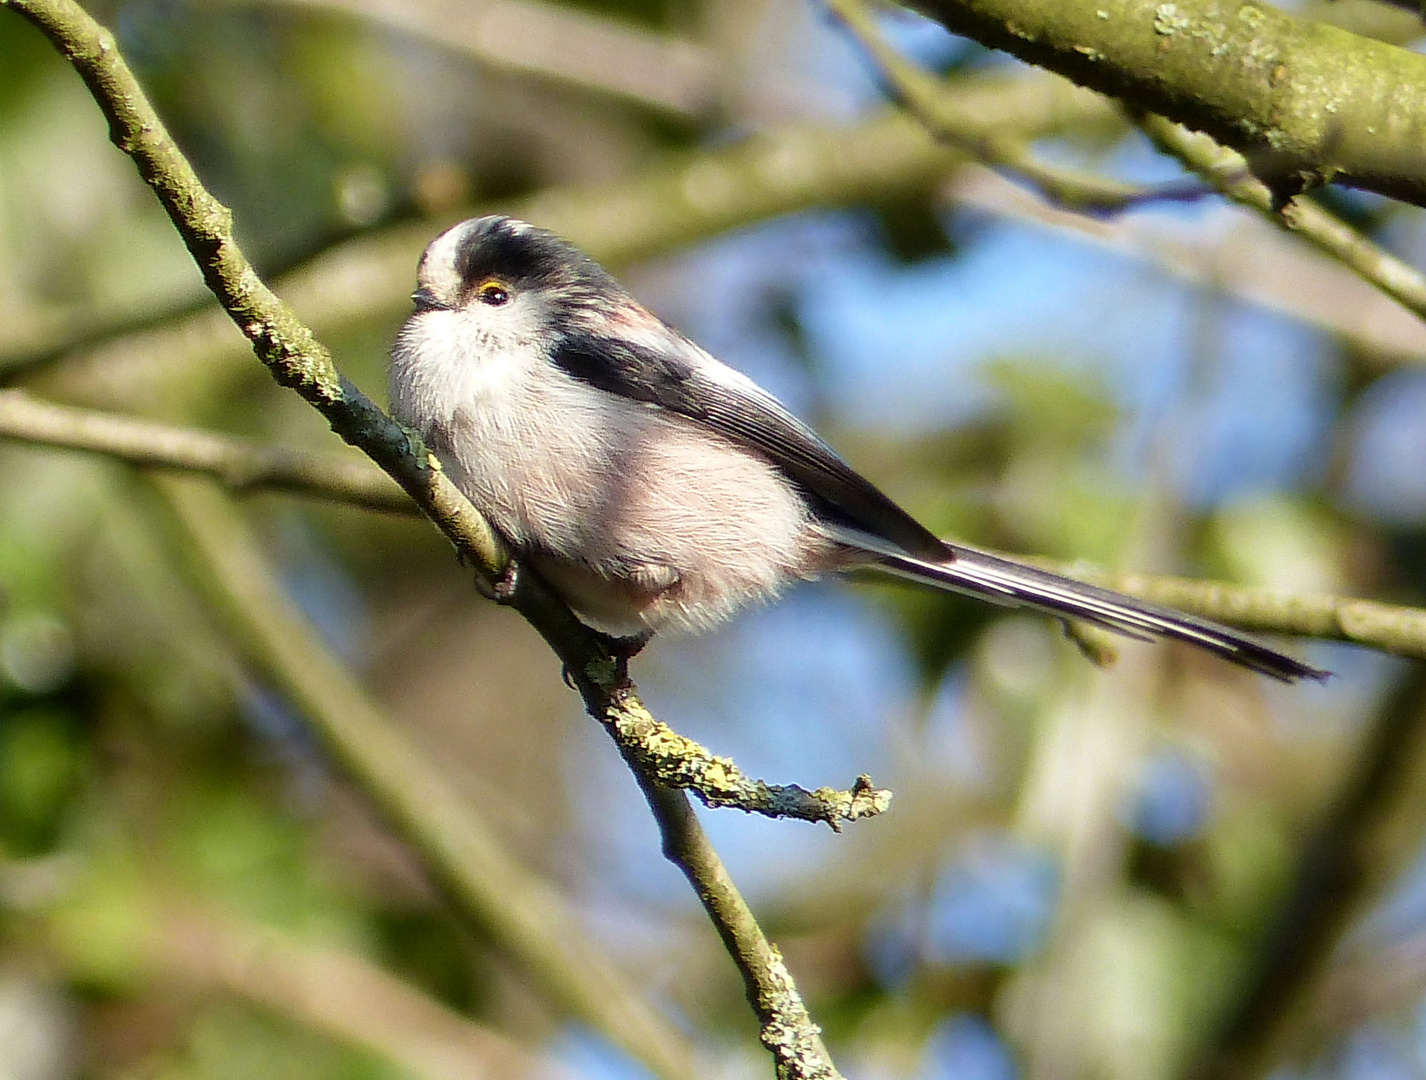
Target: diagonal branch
[787, 1030]
[949, 121]
[1227, 171]
[297, 360]
[521, 913]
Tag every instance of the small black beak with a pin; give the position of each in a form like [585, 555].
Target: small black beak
[425, 300]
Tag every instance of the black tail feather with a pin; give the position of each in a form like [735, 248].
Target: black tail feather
[999, 580]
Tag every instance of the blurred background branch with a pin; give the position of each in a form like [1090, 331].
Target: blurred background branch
[1347, 859]
[695, 195]
[554, 42]
[331, 990]
[522, 914]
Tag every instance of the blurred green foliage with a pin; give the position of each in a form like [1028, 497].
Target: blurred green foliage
[146, 770]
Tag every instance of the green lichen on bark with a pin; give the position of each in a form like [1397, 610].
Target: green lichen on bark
[677, 761]
[1305, 102]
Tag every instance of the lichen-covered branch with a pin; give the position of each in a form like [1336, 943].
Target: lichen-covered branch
[1306, 103]
[786, 1028]
[677, 761]
[240, 464]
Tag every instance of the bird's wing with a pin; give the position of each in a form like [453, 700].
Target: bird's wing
[672, 373]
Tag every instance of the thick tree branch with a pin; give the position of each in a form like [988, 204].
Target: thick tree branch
[1221, 169]
[1306, 103]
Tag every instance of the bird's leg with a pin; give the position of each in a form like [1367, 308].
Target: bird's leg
[625, 649]
[622, 649]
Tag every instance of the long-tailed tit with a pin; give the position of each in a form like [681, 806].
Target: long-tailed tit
[653, 486]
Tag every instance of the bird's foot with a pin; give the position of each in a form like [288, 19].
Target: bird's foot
[621, 649]
[502, 589]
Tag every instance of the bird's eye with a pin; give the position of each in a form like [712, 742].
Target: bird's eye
[493, 293]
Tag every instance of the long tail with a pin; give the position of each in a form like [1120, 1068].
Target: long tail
[1017, 585]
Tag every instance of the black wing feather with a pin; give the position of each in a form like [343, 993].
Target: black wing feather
[751, 418]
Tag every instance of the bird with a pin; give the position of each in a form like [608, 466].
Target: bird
[652, 486]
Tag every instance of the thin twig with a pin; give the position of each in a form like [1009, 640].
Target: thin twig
[1229, 173]
[926, 98]
[1256, 261]
[240, 464]
[787, 1029]
[677, 761]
